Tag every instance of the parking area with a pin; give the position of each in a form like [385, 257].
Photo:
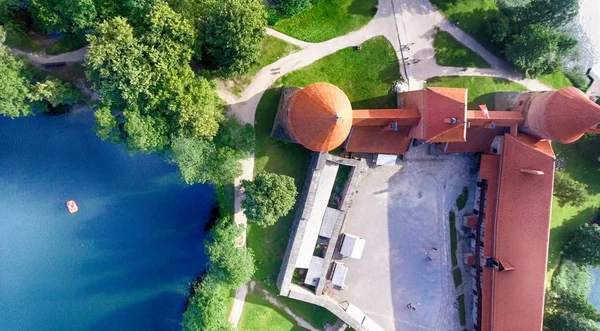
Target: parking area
[402, 213]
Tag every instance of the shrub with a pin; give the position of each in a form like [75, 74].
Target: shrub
[569, 191]
[269, 197]
[497, 27]
[578, 78]
[461, 201]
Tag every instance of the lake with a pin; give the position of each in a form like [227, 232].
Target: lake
[124, 261]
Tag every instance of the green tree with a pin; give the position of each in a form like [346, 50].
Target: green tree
[145, 80]
[553, 13]
[497, 27]
[201, 161]
[583, 248]
[569, 321]
[107, 126]
[207, 309]
[569, 191]
[14, 85]
[232, 31]
[572, 278]
[269, 197]
[538, 50]
[289, 8]
[6, 6]
[63, 16]
[233, 265]
[240, 138]
[55, 93]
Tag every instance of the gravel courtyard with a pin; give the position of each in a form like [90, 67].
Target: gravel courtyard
[402, 213]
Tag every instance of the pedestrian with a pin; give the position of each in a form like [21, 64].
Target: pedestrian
[433, 248]
[404, 59]
[429, 259]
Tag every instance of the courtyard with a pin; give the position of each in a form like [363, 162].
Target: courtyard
[402, 213]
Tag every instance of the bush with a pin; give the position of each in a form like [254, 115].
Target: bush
[497, 27]
[578, 78]
[461, 201]
[569, 191]
[269, 197]
[583, 248]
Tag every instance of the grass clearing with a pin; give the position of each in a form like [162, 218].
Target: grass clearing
[457, 275]
[461, 310]
[480, 88]
[377, 67]
[555, 80]
[453, 238]
[566, 219]
[271, 50]
[471, 14]
[327, 19]
[461, 201]
[450, 52]
[259, 314]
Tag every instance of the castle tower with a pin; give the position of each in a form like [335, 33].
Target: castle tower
[562, 116]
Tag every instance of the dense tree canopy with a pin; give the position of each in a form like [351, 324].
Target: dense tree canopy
[231, 33]
[54, 93]
[269, 197]
[207, 309]
[553, 13]
[143, 77]
[539, 49]
[583, 248]
[64, 16]
[569, 191]
[14, 85]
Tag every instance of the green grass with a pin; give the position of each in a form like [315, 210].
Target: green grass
[461, 309]
[259, 314]
[450, 52]
[461, 201]
[556, 80]
[471, 14]
[453, 238]
[67, 43]
[16, 37]
[566, 219]
[377, 67]
[456, 274]
[366, 76]
[271, 50]
[327, 19]
[480, 88]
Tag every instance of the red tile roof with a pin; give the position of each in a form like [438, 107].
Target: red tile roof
[437, 105]
[402, 117]
[499, 118]
[320, 116]
[478, 141]
[372, 139]
[519, 237]
[563, 116]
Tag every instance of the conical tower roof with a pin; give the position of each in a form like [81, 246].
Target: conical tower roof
[563, 116]
[320, 116]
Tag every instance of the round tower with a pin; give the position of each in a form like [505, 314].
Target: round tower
[318, 116]
[563, 116]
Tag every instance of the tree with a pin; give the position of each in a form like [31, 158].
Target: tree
[568, 321]
[583, 248]
[269, 197]
[289, 8]
[240, 138]
[572, 279]
[201, 161]
[6, 6]
[569, 191]
[55, 93]
[538, 50]
[107, 126]
[14, 85]
[233, 265]
[232, 31]
[552, 13]
[206, 309]
[497, 27]
[145, 80]
[64, 16]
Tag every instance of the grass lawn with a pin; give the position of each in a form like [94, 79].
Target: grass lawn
[556, 80]
[470, 14]
[567, 218]
[453, 239]
[271, 50]
[461, 201]
[461, 309]
[259, 314]
[16, 37]
[456, 274]
[377, 67]
[327, 19]
[479, 87]
[450, 52]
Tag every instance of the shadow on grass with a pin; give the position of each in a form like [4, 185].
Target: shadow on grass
[581, 162]
[363, 7]
[382, 102]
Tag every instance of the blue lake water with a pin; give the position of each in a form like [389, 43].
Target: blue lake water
[123, 262]
[594, 296]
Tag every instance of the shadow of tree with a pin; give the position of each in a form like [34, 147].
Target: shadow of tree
[363, 7]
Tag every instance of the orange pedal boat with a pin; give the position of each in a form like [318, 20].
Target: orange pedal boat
[72, 206]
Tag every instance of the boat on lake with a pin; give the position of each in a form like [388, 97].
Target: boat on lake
[72, 206]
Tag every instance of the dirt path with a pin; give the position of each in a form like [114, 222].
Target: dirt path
[69, 57]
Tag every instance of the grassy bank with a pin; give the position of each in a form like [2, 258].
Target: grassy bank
[555, 80]
[327, 19]
[479, 87]
[450, 52]
[376, 66]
